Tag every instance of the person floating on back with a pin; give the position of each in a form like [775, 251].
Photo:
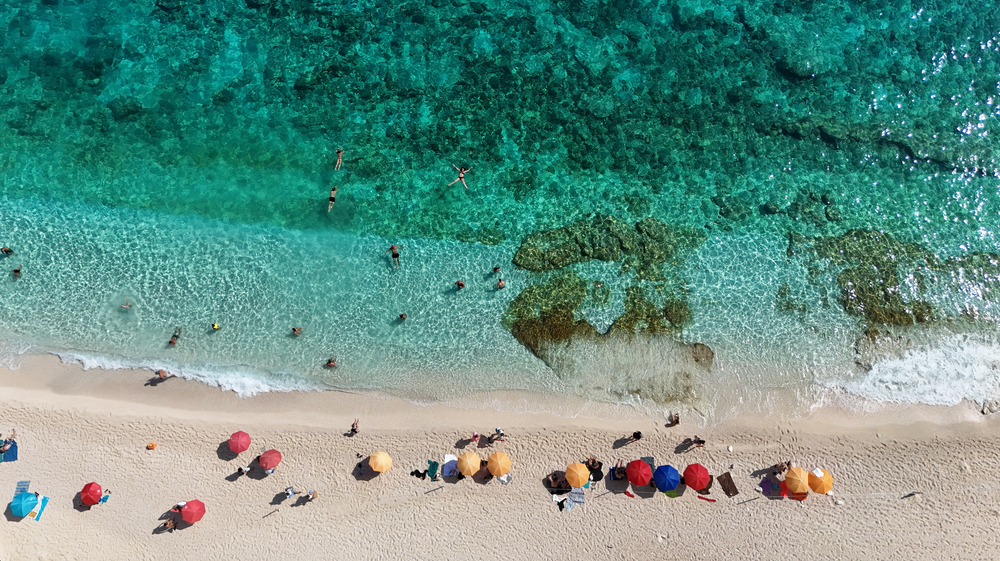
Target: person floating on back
[175, 337]
[340, 159]
[333, 199]
[395, 253]
[461, 175]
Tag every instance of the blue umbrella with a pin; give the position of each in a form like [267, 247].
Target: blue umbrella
[22, 504]
[666, 478]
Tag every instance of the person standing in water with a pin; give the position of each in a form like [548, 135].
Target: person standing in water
[395, 253]
[296, 331]
[333, 198]
[459, 285]
[500, 285]
[340, 159]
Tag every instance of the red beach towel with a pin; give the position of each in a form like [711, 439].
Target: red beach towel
[629, 494]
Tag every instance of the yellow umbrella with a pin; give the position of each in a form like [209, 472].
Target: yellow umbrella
[498, 464]
[469, 463]
[797, 481]
[820, 483]
[577, 475]
[380, 462]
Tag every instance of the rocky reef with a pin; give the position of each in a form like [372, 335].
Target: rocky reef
[642, 248]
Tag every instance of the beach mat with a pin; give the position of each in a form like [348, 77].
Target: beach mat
[11, 454]
[728, 487]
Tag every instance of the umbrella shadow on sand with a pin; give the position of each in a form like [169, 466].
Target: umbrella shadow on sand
[644, 491]
[364, 472]
[78, 504]
[224, 453]
[10, 515]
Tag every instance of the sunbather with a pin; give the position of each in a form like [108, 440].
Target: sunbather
[596, 468]
[619, 471]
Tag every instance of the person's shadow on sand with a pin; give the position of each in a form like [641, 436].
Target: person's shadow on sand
[279, 498]
[684, 447]
[463, 442]
[155, 381]
[621, 442]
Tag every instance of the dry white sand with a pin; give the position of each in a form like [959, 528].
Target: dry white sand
[75, 427]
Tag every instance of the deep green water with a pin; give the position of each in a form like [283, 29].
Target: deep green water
[161, 126]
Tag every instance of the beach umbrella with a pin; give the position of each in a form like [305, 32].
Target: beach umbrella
[820, 481]
[91, 494]
[239, 442]
[666, 478]
[797, 480]
[469, 463]
[380, 462]
[270, 459]
[638, 472]
[193, 511]
[23, 503]
[498, 464]
[577, 475]
[696, 477]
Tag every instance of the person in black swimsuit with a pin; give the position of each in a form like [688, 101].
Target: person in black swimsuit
[17, 272]
[333, 198]
[395, 253]
[175, 337]
[7, 251]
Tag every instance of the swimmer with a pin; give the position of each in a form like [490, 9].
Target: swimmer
[402, 317]
[340, 158]
[500, 285]
[175, 337]
[126, 305]
[461, 175]
[17, 272]
[6, 251]
[459, 285]
[296, 331]
[331, 363]
[496, 269]
[395, 253]
[333, 198]
[215, 327]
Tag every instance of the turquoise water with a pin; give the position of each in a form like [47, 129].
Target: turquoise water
[180, 154]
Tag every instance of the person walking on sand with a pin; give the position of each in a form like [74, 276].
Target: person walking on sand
[461, 175]
[459, 285]
[310, 496]
[500, 285]
[475, 437]
[637, 435]
[498, 436]
[395, 253]
[175, 337]
[340, 159]
[17, 272]
[291, 492]
[333, 198]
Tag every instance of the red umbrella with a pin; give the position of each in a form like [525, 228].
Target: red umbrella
[696, 477]
[91, 494]
[638, 472]
[193, 511]
[270, 459]
[239, 441]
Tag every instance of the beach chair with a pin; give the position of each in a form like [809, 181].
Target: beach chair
[432, 469]
[22, 487]
[728, 487]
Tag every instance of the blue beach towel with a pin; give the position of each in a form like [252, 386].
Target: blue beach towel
[11, 454]
[36, 512]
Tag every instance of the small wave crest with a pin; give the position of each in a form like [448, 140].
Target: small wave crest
[244, 382]
[944, 372]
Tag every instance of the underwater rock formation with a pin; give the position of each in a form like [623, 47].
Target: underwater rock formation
[643, 247]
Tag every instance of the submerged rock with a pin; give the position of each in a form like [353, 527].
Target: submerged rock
[643, 247]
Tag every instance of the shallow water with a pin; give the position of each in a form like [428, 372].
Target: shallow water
[180, 154]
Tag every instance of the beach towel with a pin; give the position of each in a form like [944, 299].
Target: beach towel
[505, 479]
[432, 469]
[450, 467]
[22, 487]
[36, 512]
[728, 487]
[576, 496]
[11, 454]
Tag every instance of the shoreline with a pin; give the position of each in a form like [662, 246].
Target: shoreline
[75, 427]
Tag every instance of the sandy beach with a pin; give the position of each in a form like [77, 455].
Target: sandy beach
[74, 427]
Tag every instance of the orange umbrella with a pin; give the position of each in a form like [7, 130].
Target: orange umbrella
[469, 463]
[577, 475]
[380, 462]
[820, 481]
[498, 464]
[797, 480]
